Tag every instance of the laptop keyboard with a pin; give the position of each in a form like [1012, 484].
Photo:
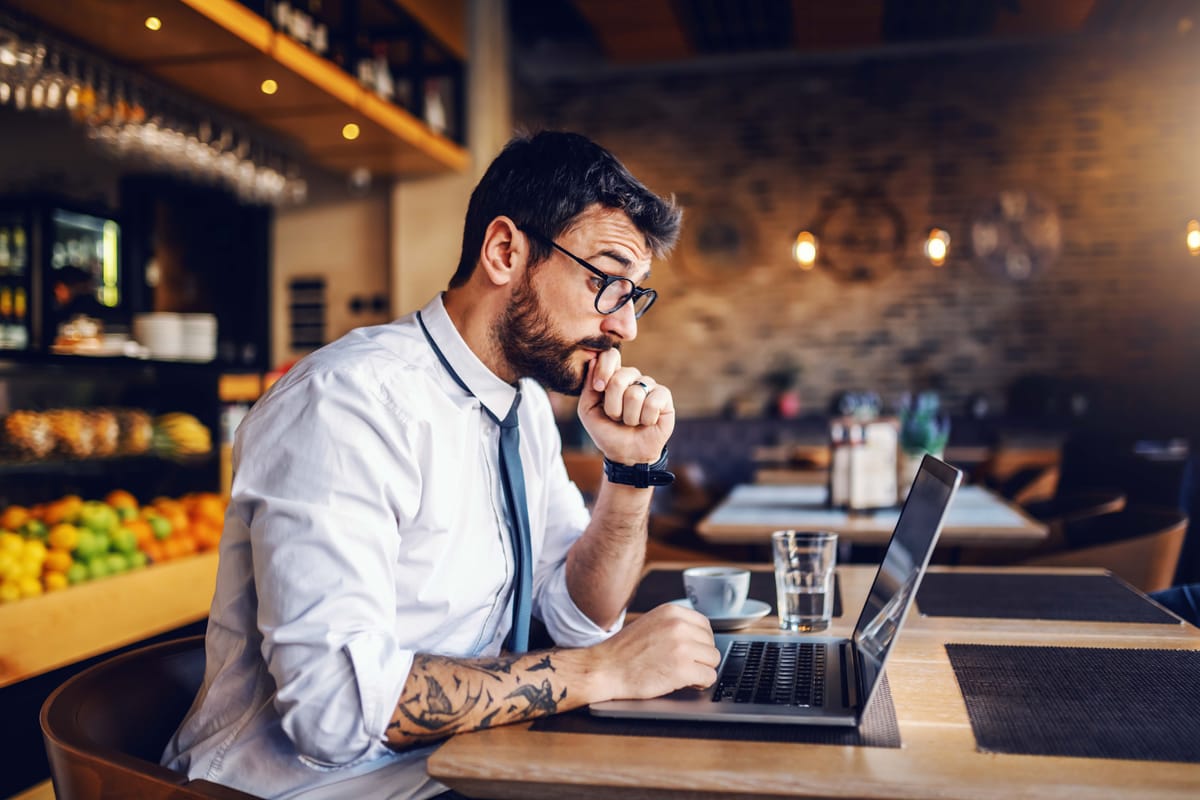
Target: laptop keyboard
[766, 673]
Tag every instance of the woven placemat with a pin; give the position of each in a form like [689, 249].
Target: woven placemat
[878, 728]
[1088, 702]
[1081, 598]
[664, 585]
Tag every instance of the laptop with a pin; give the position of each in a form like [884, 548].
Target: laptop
[806, 679]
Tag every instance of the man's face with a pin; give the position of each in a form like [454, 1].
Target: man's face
[551, 330]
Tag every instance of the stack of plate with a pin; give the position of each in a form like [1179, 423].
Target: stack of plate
[160, 332]
[199, 337]
[168, 335]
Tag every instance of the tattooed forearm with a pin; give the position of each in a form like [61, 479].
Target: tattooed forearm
[443, 696]
[540, 700]
[545, 663]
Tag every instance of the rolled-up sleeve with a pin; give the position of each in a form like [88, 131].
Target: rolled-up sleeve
[318, 488]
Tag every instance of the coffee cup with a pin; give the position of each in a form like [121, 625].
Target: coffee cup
[716, 591]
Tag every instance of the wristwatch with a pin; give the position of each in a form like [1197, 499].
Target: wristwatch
[642, 476]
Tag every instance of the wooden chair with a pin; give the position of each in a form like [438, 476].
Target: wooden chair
[106, 727]
[1030, 484]
[1140, 544]
[1065, 509]
[586, 469]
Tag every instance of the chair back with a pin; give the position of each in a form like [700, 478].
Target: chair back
[105, 728]
[1140, 544]
[586, 470]
[1066, 509]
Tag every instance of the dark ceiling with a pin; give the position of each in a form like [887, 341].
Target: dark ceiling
[574, 34]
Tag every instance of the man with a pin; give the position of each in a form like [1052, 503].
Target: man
[369, 571]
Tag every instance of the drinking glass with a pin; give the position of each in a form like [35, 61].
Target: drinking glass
[804, 564]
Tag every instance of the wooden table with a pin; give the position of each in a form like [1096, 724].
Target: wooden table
[938, 757]
[977, 516]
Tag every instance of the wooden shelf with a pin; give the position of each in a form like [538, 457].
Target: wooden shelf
[221, 52]
[39, 634]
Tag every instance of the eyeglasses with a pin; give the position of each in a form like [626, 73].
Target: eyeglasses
[615, 291]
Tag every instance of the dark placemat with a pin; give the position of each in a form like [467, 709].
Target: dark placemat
[664, 585]
[1087, 702]
[1080, 598]
[878, 728]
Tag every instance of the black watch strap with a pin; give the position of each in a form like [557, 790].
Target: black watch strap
[642, 476]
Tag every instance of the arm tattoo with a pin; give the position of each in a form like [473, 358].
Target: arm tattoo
[545, 663]
[443, 696]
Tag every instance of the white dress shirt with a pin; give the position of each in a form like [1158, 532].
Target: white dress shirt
[368, 523]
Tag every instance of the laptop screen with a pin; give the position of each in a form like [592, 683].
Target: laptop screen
[903, 565]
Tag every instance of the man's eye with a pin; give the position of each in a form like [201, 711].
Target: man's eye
[596, 282]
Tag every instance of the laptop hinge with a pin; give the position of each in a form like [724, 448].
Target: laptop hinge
[851, 690]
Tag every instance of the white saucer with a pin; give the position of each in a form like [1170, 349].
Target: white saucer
[752, 611]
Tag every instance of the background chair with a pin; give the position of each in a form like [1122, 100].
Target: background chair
[106, 727]
[1140, 544]
[1030, 484]
[585, 468]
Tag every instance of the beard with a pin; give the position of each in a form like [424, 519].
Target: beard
[532, 348]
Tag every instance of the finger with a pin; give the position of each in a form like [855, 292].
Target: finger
[617, 391]
[606, 364]
[657, 401]
[589, 397]
[633, 403]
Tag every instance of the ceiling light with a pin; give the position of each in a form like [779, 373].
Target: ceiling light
[937, 247]
[804, 250]
[269, 86]
[350, 131]
[153, 23]
[1193, 237]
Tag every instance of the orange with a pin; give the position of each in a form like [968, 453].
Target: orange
[154, 550]
[142, 531]
[119, 498]
[211, 509]
[207, 536]
[14, 517]
[58, 561]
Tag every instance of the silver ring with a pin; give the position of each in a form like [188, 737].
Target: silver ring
[641, 384]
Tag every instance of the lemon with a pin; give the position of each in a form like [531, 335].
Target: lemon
[11, 543]
[64, 536]
[34, 551]
[9, 591]
[54, 581]
[30, 587]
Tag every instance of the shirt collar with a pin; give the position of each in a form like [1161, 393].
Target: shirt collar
[496, 394]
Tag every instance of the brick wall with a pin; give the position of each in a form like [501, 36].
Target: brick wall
[1103, 133]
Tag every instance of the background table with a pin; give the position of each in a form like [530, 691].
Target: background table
[938, 758]
[977, 516]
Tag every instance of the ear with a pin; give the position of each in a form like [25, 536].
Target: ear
[505, 252]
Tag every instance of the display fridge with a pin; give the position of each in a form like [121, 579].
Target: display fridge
[57, 261]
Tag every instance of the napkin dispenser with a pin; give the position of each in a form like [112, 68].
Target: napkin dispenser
[862, 469]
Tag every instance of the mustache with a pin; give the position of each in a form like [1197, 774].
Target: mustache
[600, 343]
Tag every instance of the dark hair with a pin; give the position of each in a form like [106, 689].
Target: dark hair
[546, 181]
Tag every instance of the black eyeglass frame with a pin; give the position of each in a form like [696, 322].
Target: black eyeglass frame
[634, 294]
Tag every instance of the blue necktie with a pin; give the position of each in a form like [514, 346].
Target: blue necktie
[512, 479]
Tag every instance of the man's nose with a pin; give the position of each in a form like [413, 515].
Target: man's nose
[622, 323]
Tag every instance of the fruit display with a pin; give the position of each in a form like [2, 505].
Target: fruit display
[178, 435]
[49, 547]
[75, 433]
